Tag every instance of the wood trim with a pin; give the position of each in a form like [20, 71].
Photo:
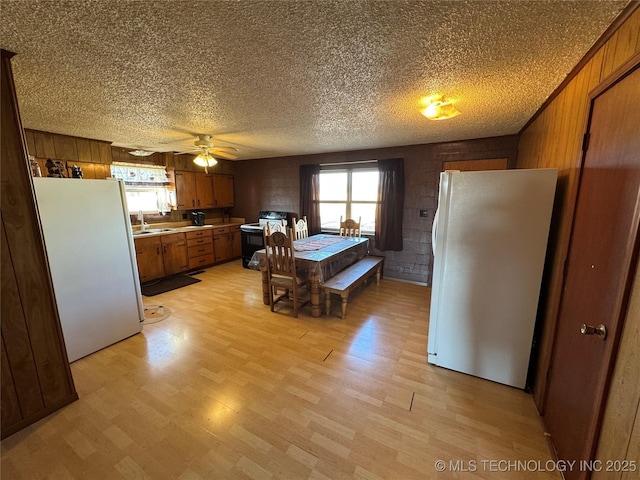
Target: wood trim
[604, 38]
[618, 74]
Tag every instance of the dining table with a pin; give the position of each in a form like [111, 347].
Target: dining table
[320, 257]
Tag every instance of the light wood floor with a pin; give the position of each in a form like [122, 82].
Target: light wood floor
[225, 389]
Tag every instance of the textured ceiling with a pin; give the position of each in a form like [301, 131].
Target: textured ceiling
[279, 78]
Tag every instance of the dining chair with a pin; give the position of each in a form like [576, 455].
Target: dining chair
[281, 270]
[300, 228]
[350, 228]
[275, 227]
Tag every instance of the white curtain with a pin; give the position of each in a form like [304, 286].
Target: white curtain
[140, 175]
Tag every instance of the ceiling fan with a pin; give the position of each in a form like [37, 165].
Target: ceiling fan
[204, 144]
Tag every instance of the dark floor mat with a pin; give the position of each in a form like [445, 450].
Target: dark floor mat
[168, 284]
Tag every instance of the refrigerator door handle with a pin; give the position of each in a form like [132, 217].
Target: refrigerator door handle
[434, 230]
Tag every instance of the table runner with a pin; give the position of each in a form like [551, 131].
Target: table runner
[316, 244]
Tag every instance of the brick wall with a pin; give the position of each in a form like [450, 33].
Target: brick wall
[273, 184]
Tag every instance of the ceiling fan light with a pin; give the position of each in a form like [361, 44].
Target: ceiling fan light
[200, 161]
[439, 109]
[205, 159]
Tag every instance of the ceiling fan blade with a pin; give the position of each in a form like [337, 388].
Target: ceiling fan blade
[216, 153]
[226, 149]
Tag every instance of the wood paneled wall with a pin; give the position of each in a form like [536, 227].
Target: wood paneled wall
[36, 378]
[554, 139]
[273, 184]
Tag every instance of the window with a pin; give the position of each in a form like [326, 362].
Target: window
[350, 193]
[146, 187]
[148, 199]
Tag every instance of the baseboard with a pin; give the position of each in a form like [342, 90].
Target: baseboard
[402, 280]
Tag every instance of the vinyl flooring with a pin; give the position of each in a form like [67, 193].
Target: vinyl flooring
[225, 389]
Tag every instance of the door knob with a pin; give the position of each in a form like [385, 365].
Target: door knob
[600, 330]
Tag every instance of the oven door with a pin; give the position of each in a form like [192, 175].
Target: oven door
[252, 241]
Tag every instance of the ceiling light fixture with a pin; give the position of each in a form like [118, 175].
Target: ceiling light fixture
[437, 108]
[205, 159]
[140, 153]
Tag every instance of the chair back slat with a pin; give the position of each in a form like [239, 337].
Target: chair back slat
[300, 228]
[350, 228]
[280, 253]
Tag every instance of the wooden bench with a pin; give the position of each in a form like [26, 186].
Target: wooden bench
[350, 278]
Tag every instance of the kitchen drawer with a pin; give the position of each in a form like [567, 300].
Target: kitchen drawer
[199, 234]
[194, 242]
[200, 261]
[200, 250]
[220, 230]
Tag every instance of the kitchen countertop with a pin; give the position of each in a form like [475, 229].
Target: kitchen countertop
[162, 229]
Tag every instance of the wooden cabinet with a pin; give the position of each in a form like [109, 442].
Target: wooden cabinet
[194, 190]
[223, 194]
[236, 241]
[160, 255]
[226, 243]
[200, 248]
[174, 253]
[204, 190]
[186, 190]
[149, 258]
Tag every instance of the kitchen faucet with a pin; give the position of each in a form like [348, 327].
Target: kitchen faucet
[143, 225]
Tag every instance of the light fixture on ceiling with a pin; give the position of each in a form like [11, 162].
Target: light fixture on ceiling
[205, 159]
[140, 153]
[437, 108]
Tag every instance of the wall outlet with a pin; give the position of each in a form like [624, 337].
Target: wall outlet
[423, 213]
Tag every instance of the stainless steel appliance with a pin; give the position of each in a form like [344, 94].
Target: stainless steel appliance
[252, 233]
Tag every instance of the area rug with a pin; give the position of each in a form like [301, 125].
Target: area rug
[168, 284]
[155, 313]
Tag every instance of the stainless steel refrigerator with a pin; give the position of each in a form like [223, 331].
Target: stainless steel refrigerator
[89, 245]
[489, 240]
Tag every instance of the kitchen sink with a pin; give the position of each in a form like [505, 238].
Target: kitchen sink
[153, 230]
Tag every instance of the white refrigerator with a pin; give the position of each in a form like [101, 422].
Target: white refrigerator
[89, 245]
[489, 240]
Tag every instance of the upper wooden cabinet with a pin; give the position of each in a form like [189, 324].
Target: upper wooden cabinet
[204, 190]
[196, 190]
[223, 194]
[186, 190]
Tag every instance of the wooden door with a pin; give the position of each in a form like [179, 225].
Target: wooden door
[186, 190]
[174, 253]
[36, 377]
[149, 258]
[223, 190]
[603, 246]
[204, 190]
[222, 247]
[236, 242]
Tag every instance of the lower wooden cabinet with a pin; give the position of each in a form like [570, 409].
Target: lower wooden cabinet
[160, 256]
[163, 255]
[227, 243]
[149, 258]
[200, 248]
[174, 253]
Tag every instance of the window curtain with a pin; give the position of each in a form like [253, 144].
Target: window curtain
[390, 205]
[310, 196]
[140, 175]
